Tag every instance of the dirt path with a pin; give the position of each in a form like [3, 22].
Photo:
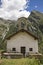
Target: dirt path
[0, 61]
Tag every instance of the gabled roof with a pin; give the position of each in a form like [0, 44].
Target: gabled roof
[22, 30]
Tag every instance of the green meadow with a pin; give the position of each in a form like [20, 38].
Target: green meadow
[22, 61]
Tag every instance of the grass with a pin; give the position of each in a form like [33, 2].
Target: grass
[23, 61]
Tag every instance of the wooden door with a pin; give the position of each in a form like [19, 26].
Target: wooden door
[23, 50]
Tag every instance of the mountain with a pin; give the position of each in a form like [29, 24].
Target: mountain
[34, 24]
[36, 19]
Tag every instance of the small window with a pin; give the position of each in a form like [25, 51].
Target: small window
[30, 49]
[13, 49]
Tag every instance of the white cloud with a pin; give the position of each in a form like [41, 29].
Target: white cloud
[36, 6]
[14, 9]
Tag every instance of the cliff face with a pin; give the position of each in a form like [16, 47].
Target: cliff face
[36, 19]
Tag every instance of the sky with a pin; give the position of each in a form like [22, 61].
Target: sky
[35, 5]
[14, 9]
